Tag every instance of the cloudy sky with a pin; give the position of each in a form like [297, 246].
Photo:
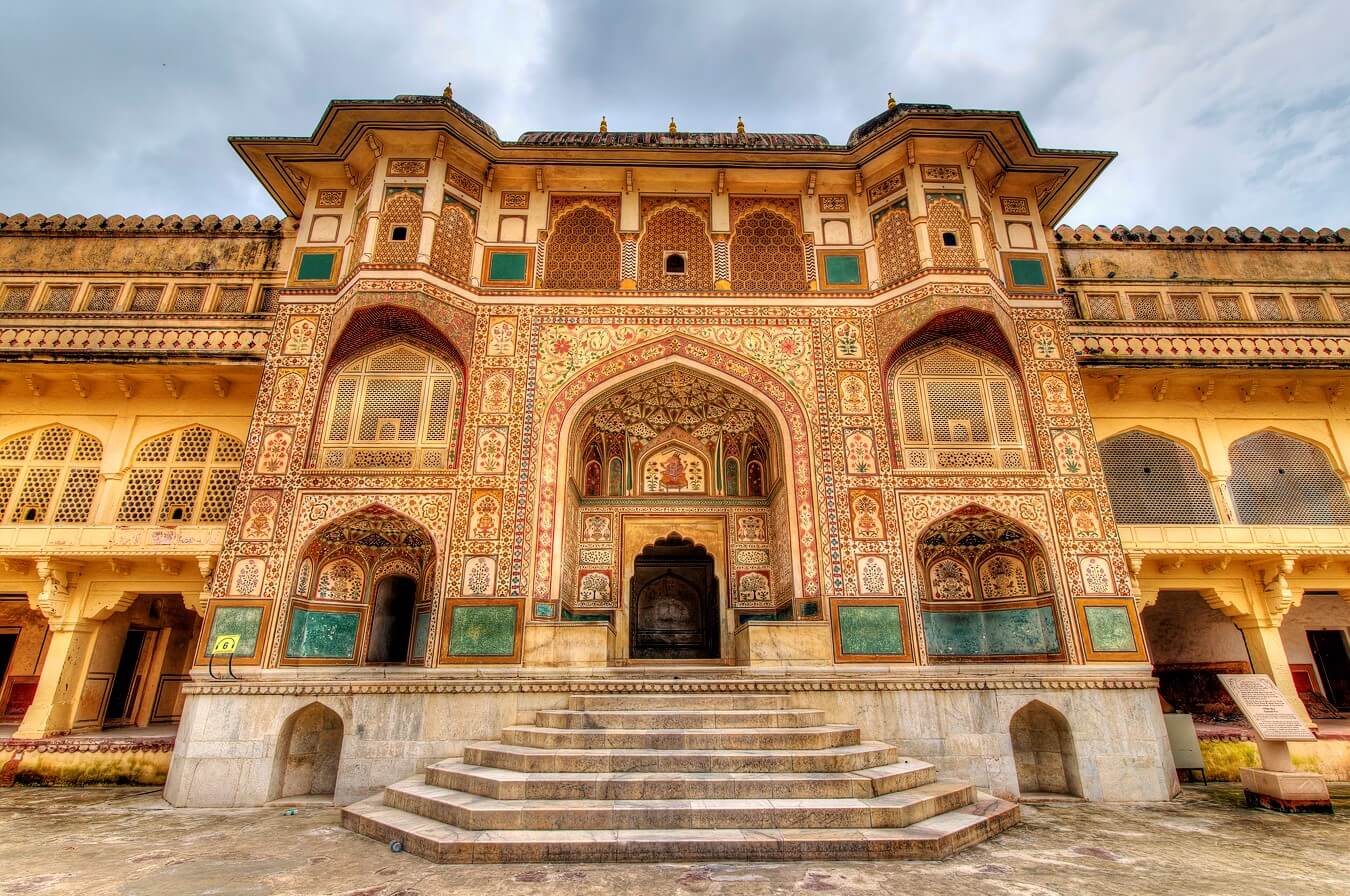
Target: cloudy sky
[1224, 113]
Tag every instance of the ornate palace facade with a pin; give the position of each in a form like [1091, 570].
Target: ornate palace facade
[482, 423]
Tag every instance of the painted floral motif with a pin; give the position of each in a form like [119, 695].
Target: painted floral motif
[247, 577]
[565, 349]
[596, 527]
[1003, 576]
[490, 453]
[860, 452]
[853, 398]
[1069, 457]
[300, 336]
[1044, 345]
[485, 514]
[288, 391]
[1097, 577]
[1055, 390]
[751, 529]
[496, 394]
[501, 337]
[752, 589]
[260, 518]
[480, 575]
[341, 580]
[275, 453]
[866, 508]
[873, 576]
[950, 580]
[847, 341]
[593, 588]
[1083, 516]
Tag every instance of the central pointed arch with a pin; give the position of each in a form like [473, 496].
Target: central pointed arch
[769, 391]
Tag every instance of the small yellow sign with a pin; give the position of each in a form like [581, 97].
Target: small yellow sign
[225, 645]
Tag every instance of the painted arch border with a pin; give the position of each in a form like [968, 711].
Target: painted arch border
[777, 397]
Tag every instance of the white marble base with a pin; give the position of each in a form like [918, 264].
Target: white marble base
[1289, 791]
[228, 743]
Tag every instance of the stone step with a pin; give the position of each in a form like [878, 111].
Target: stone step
[658, 702]
[522, 758]
[679, 718]
[816, 737]
[935, 838]
[480, 813]
[505, 784]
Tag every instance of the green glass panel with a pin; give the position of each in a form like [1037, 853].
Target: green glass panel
[843, 270]
[507, 266]
[320, 634]
[241, 621]
[483, 630]
[543, 611]
[870, 631]
[1027, 272]
[1028, 630]
[420, 633]
[316, 266]
[1110, 629]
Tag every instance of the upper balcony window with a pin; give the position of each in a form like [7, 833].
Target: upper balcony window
[49, 476]
[185, 476]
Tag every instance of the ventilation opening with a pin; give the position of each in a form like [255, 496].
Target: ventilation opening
[398, 234]
[28, 514]
[675, 263]
[178, 513]
[949, 238]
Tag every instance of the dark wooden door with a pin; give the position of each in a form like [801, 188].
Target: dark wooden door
[674, 602]
[1328, 650]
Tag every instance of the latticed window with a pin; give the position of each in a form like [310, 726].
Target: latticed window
[1155, 481]
[1278, 480]
[397, 407]
[185, 476]
[955, 409]
[49, 476]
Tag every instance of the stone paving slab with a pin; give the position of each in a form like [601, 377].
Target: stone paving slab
[122, 841]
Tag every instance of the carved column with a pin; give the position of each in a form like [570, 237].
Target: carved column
[69, 649]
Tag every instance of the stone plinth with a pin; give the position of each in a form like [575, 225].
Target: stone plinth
[785, 643]
[1285, 791]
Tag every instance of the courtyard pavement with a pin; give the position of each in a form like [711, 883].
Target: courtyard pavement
[125, 840]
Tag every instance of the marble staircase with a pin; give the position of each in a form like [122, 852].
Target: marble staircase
[667, 777]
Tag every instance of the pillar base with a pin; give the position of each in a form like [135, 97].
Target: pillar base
[1285, 791]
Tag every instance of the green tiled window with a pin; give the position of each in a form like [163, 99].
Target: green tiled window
[1110, 629]
[507, 267]
[843, 270]
[316, 266]
[321, 634]
[484, 630]
[1014, 632]
[870, 631]
[241, 621]
[1027, 272]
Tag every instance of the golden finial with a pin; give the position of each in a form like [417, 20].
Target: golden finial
[672, 128]
[604, 125]
[890, 100]
[449, 91]
[740, 125]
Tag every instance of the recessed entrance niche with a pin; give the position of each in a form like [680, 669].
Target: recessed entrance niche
[391, 625]
[674, 592]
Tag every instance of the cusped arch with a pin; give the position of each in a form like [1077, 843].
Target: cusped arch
[773, 394]
[767, 252]
[981, 594]
[49, 474]
[186, 474]
[1155, 479]
[582, 250]
[675, 226]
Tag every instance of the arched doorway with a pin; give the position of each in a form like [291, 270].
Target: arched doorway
[1044, 752]
[675, 606]
[391, 623]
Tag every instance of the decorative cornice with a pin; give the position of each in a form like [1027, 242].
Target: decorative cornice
[230, 225]
[1199, 237]
[937, 682]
